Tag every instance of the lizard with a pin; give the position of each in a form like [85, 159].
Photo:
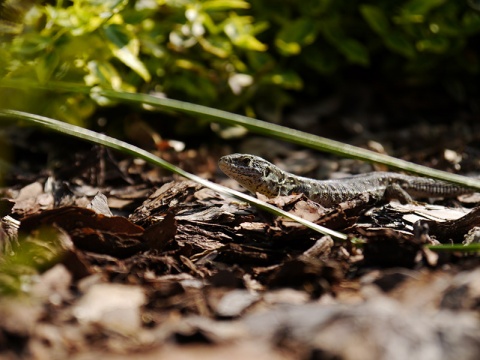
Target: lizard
[260, 176]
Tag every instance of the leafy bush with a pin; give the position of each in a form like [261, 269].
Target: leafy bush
[228, 54]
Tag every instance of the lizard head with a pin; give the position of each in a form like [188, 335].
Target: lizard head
[253, 173]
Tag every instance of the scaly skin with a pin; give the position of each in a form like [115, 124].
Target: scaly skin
[258, 175]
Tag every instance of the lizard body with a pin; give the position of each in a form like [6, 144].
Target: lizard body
[259, 175]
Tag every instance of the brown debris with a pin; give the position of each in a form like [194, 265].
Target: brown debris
[90, 231]
[452, 230]
[184, 272]
[390, 248]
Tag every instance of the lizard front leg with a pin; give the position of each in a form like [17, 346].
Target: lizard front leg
[395, 191]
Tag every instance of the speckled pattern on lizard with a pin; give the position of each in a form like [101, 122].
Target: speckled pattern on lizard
[259, 175]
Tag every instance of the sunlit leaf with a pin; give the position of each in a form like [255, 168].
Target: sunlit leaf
[259, 27]
[130, 42]
[46, 65]
[105, 8]
[218, 5]
[239, 30]
[296, 35]
[31, 43]
[73, 109]
[286, 79]
[218, 46]
[11, 16]
[126, 49]
[103, 73]
[10, 28]
[249, 42]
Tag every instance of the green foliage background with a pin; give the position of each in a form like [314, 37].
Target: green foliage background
[228, 54]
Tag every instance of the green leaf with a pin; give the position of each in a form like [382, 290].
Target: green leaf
[117, 35]
[352, 49]
[239, 30]
[103, 73]
[217, 46]
[314, 8]
[420, 7]
[46, 65]
[72, 109]
[375, 18]
[288, 49]
[260, 61]
[219, 5]
[249, 42]
[438, 45]
[31, 43]
[287, 79]
[324, 62]
[415, 11]
[400, 44]
[471, 22]
[104, 8]
[126, 49]
[259, 27]
[84, 16]
[296, 35]
[10, 28]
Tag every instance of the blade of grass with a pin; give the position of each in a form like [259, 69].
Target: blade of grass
[256, 126]
[291, 135]
[129, 149]
[455, 247]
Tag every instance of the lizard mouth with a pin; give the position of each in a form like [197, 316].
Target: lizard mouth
[244, 169]
[234, 164]
[224, 164]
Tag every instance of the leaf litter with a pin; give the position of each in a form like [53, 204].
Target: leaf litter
[166, 268]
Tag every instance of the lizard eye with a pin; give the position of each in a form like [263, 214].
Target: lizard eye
[245, 162]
